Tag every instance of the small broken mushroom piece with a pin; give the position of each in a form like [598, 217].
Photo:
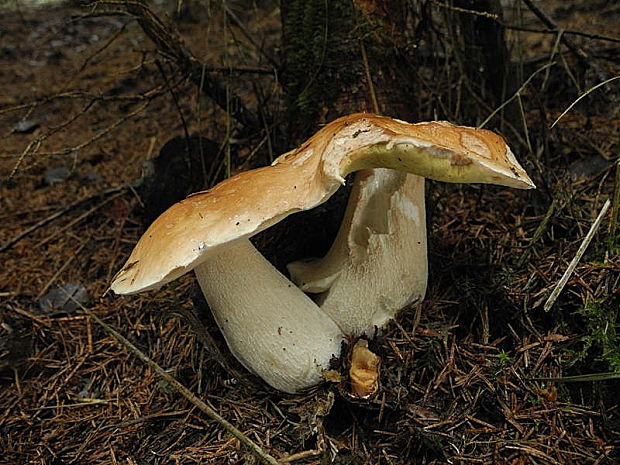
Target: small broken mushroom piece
[364, 371]
[377, 264]
[271, 326]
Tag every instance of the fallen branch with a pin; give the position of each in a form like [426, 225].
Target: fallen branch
[33, 147]
[252, 446]
[581, 55]
[587, 35]
[170, 46]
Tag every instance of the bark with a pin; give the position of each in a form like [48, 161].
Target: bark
[325, 71]
[483, 48]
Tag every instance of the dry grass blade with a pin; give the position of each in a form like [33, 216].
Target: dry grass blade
[515, 95]
[573, 264]
[585, 94]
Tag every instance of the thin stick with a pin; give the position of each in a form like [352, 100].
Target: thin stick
[588, 35]
[57, 214]
[573, 264]
[577, 51]
[302, 455]
[484, 14]
[169, 45]
[33, 147]
[254, 448]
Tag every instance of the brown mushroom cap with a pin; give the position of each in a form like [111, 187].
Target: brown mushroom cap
[250, 202]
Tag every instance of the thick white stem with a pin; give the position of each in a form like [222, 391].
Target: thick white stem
[316, 275]
[378, 263]
[270, 325]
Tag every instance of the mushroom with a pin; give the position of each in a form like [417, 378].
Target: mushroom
[270, 325]
[377, 264]
[364, 371]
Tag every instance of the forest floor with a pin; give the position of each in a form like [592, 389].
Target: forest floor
[84, 103]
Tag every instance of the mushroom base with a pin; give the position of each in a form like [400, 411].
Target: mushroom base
[270, 325]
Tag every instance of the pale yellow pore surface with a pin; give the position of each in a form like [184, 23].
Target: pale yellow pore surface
[441, 151]
[250, 202]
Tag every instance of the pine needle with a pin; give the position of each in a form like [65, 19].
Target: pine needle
[252, 446]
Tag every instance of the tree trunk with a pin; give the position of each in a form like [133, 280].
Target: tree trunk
[330, 50]
[483, 48]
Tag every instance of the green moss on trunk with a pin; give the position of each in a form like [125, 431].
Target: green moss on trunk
[325, 74]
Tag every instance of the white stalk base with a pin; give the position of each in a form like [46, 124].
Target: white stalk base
[270, 325]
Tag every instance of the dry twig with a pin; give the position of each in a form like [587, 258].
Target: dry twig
[251, 445]
[170, 46]
[58, 214]
[577, 51]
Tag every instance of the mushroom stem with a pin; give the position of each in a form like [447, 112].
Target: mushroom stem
[377, 264]
[270, 325]
[316, 275]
